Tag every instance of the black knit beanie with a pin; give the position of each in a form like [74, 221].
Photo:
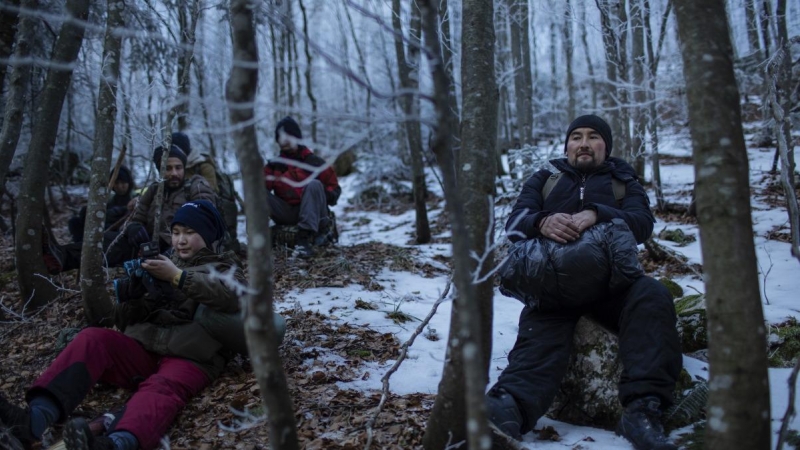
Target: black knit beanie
[290, 127]
[202, 217]
[174, 152]
[182, 141]
[123, 176]
[595, 123]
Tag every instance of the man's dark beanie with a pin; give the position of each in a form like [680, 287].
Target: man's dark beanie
[595, 123]
[290, 127]
[124, 175]
[182, 141]
[202, 217]
[174, 152]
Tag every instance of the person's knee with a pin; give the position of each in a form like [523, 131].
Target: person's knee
[314, 186]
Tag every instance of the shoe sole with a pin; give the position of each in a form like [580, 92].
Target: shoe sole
[75, 438]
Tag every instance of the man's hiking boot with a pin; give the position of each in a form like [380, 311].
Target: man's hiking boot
[51, 254]
[18, 422]
[303, 245]
[504, 412]
[78, 436]
[641, 425]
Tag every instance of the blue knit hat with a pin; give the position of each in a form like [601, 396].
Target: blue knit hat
[202, 217]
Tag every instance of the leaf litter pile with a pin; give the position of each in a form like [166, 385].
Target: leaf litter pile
[320, 355]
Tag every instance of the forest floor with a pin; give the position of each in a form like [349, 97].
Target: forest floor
[332, 356]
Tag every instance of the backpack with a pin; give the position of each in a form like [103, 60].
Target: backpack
[616, 185]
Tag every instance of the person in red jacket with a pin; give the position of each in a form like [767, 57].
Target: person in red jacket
[300, 186]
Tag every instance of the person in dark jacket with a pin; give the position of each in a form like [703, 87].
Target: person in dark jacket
[299, 191]
[179, 325]
[643, 315]
[116, 208]
[120, 246]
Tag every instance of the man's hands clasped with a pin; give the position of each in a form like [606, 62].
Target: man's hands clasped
[563, 228]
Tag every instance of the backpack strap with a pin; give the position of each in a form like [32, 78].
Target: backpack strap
[618, 186]
[550, 184]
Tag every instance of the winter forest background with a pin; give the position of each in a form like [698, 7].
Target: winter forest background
[406, 98]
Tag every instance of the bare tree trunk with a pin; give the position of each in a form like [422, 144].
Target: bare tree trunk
[96, 306]
[408, 71]
[506, 121]
[309, 81]
[638, 109]
[447, 59]
[28, 250]
[17, 86]
[752, 25]
[608, 21]
[784, 82]
[739, 400]
[522, 92]
[589, 65]
[362, 67]
[527, 78]
[766, 13]
[568, 48]
[653, 58]
[460, 398]
[8, 29]
[262, 340]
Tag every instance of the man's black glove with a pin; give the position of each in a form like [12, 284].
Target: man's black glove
[126, 289]
[136, 234]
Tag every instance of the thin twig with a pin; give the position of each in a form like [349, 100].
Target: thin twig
[400, 359]
[790, 412]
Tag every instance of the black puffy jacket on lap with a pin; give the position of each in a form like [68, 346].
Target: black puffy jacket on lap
[634, 209]
[547, 276]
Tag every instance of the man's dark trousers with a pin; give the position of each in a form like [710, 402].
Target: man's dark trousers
[649, 347]
[310, 214]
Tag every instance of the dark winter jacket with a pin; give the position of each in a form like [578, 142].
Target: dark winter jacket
[275, 173]
[547, 275]
[598, 195]
[174, 324]
[194, 188]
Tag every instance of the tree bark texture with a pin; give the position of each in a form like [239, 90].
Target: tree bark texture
[28, 251]
[522, 88]
[96, 305]
[8, 29]
[460, 410]
[17, 88]
[751, 14]
[639, 107]
[307, 73]
[262, 339]
[608, 21]
[408, 72]
[739, 401]
[568, 50]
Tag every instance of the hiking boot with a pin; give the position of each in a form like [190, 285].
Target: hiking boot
[504, 413]
[78, 436]
[51, 254]
[18, 422]
[641, 425]
[303, 244]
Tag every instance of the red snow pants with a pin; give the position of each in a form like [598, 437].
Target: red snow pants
[163, 384]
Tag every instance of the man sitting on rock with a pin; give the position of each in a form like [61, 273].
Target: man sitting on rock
[585, 193]
[298, 200]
